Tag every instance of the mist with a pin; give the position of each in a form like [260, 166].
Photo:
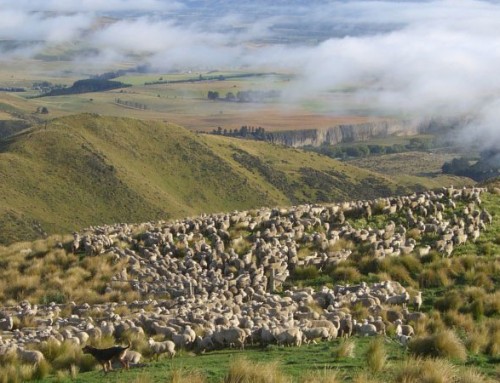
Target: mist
[416, 59]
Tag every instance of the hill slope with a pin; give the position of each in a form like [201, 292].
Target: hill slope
[86, 169]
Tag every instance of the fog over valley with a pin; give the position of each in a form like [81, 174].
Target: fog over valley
[411, 59]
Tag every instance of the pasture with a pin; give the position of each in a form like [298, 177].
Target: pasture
[186, 103]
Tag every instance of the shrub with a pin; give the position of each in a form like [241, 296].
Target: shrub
[443, 344]
[376, 355]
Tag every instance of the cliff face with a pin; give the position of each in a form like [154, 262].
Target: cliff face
[343, 133]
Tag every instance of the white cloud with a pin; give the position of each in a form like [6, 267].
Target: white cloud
[421, 58]
[90, 5]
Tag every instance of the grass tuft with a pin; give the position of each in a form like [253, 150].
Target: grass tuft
[242, 370]
[345, 349]
[376, 356]
[443, 344]
[417, 370]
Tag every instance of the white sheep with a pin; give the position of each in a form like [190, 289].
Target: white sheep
[132, 357]
[30, 356]
[162, 347]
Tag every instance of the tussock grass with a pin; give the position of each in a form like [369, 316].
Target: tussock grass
[471, 375]
[324, 376]
[346, 349]
[493, 347]
[417, 370]
[344, 274]
[364, 378]
[376, 355]
[442, 344]
[454, 319]
[477, 340]
[244, 371]
[184, 376]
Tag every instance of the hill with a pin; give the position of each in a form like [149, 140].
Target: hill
[86, 169]
[327, 267]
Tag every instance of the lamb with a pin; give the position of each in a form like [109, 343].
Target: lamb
[162, 347]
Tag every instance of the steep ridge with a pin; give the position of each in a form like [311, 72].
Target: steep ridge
[86, 169]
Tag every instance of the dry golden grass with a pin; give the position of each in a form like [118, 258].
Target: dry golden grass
[364, 378]
[323, 376]
[442, 344]
[345, 349]
[184, 376]
[376, 356]
[244, 371]
[417, 370]
[471, 375]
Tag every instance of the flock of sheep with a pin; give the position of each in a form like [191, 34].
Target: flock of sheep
[227, 276]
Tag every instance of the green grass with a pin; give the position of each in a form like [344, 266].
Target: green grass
[85, 170]
[295, 363]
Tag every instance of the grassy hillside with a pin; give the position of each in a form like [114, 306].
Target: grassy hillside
[460, 303]
[85, 169]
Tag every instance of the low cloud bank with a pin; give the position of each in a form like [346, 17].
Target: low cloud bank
[410, 58]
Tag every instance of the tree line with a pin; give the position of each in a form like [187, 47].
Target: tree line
[365, 150]
[487, 166]
[244, 96]
[245, 131]
[131, 104]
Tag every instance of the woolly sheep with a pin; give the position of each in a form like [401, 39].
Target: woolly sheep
[162, 347]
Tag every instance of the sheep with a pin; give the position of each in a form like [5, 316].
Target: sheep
[404, 329]
[403, 339]
[313, 333]
[203, 344]
[399, 299]
[181, 340]
[417, 301]
[233, 336]
[132, 357]
[366, 329]
[291, 337]
[30, 356]
[162, 347]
